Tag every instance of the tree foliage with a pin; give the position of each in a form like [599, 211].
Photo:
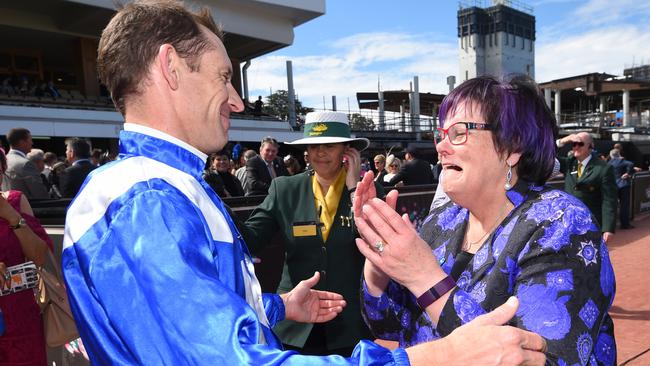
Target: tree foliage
[361, 123]
[277, 104]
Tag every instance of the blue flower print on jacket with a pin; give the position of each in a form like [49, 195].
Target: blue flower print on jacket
[480, 257]
[502, 238]
[589, 313]
[548, 318]
[588, 252]
[451, 217]
[606, 272]
[583, 346]
[560, 280]
[512, 269]
[548, 252]
[466, 308]
[605, 349]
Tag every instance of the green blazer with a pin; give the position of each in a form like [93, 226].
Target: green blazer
[596, 188]
[291, 201]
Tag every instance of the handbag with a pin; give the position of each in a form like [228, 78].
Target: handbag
[58, 322]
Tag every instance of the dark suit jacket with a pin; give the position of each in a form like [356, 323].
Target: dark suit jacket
[414, 172]
[291, 201]
[73, 177]
[621, 167]
[23, 175]
[596, 188]
[258, 177]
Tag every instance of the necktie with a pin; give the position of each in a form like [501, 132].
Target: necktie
[579, 170]
[271, 170]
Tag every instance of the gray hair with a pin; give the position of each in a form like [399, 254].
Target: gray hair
[36, 155]
[614, 154]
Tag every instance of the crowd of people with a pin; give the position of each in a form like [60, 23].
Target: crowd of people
[42, 175]
[494, 276]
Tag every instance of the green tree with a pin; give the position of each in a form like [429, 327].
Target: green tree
[277, 104]
[361, 123]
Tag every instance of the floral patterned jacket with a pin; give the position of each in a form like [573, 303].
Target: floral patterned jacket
[548, 252]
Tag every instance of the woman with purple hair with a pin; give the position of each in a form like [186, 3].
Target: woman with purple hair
[503, 234]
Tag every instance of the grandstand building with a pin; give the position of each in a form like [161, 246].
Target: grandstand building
[48, 79]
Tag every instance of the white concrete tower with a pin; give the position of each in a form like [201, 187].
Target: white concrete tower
[496, 40]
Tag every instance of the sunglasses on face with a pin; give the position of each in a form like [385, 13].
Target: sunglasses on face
[458, 132]
[578, 143]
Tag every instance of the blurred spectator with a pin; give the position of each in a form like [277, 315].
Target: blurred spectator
[106, 157]
[218, 176]
[96, 156]
[257, 106]
[37, 156]
[380, 167]
[50, 159]
[6, 86]
[261, 169]
[52, 90]
[623, 172]
[57, 170]
[394, 165]
[240, 173]
[365, 166]
[305, 156]
[414, 171]
[22, 174]
[292, 165]
[78, 155]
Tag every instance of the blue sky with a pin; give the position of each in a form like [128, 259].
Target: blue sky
[356, 42]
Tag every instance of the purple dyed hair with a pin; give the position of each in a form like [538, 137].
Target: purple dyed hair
[521, 120]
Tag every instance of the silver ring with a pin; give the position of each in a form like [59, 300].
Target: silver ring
[7, 276]
[379, 245]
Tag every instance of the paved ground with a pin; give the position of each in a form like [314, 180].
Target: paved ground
[630, 255]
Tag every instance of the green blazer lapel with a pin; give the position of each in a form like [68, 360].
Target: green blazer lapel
[589, 169]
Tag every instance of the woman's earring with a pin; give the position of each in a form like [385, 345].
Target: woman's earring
[508, 185]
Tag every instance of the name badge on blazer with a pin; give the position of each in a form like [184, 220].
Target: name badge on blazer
[304, 228]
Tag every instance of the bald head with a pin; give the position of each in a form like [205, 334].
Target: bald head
[582, 148]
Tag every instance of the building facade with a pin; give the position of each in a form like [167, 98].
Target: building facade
[495, 40]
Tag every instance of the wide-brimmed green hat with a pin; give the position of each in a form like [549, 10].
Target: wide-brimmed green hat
[329, 128]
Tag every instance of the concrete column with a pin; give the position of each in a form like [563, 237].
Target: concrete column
[558, 105]
[626, 108]
[547, 97]
[602, 108]
[291, 95]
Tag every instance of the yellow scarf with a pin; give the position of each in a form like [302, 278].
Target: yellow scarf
[328, 204]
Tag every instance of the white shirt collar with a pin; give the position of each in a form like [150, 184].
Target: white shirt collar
[586, 161]
[134, 127]
[18, 152]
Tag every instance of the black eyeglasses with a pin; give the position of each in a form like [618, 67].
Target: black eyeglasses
[458, 132]
[578, 143]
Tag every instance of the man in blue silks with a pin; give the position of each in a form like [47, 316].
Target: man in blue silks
[156, 270]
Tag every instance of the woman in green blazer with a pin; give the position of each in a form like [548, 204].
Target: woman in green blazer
[312, 211]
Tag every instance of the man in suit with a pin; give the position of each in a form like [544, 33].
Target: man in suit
[623, 171]
[22, 174]
[77, 153]
[261, 169]
[591, 180]
[414, 171]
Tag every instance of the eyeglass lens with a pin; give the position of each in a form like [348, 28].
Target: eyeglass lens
[457, 134]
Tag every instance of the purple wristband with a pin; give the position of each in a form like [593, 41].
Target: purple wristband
[437, 291]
